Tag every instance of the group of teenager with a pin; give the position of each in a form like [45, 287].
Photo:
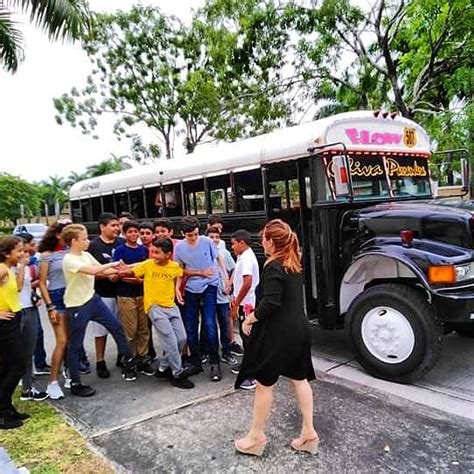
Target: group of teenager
[135, 276]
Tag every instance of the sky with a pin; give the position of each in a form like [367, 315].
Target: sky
[32, 145]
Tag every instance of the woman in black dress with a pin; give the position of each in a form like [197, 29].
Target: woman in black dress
[279, 340]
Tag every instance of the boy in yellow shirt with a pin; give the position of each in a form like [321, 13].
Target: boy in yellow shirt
[159, 274]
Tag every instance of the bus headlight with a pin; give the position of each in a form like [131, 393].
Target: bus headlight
[464, 272]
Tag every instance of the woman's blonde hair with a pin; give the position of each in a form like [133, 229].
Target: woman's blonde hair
[287, 247]
[72, 231]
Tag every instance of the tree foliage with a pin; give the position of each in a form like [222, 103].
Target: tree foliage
[60, 19]
[16, 193]
[194, 82]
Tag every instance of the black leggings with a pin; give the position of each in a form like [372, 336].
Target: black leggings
[12, 360]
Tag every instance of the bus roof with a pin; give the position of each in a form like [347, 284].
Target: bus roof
[360, 131]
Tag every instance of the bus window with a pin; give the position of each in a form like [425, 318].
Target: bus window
[108, 203]
[283, 188]
[86, 210]
[76, 211]
[153, 201]
[195, 197]
[220, 194]
[121, 200]
[136, 203]
[249, 190]
[96, 208]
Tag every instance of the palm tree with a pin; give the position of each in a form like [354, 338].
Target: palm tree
[75, 177]
[60, 19]
[54, 193]
[108, 166]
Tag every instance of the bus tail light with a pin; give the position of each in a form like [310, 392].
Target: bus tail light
[441, 274]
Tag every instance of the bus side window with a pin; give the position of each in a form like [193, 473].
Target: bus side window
[96, 208]
[121, 200]
[108, 201]
[173, 205]
[136, 203]
[153, 201]
[220, 194]
[86, 210]
[249, 190]
[76, 211]
[195, 197]
[283, 187]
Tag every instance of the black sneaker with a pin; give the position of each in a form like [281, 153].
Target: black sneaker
[130, 374]
[215, 373]
[182, 382]
[7, 422]
[43, 370]
[33, 395]
[192, 370]
[236, 349]
[164, 374]
[235, 369]
[146, 369]
[228, 358]
[102, 370]
[82, 390]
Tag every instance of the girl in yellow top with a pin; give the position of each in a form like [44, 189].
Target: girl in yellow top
[11, 351]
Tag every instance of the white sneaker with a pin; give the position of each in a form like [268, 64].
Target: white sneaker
[67, 379]
[54, 391]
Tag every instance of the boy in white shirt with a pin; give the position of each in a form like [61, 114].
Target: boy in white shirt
[246, 278]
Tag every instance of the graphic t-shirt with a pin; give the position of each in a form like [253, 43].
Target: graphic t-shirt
[159, 282]
[79, 286]
[130, 255]
[103, 252]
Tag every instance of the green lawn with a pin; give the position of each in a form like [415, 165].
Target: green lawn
[46, 443]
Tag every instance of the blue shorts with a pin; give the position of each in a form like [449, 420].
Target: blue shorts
[57, 298]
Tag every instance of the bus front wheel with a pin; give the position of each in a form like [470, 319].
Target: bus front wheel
[394, 332]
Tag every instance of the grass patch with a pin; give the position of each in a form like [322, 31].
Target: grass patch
[47, 444]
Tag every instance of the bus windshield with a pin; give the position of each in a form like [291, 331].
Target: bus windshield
[377, 176]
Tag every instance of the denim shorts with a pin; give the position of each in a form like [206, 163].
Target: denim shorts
[57, 298]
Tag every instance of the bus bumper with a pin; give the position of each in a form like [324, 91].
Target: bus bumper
[454, 307]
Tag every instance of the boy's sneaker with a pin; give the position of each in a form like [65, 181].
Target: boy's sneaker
[54, 391]
[44, 370]
[204, 359]
[33, 395]
[236, 349]
[248, 384]
[82, 390]
[215, 373]
[192, 370]
[130, 374]
[102, 370]
[84, 368]
[164, 374]
[235, 369]
[228, 358]
[67, 378]
[146, 369]
[182, 382]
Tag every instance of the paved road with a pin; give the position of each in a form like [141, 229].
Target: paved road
[149, 426]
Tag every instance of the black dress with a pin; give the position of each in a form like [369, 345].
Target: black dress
[280, 341]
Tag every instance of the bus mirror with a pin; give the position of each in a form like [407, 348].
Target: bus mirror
[465, 174]
[341, 176]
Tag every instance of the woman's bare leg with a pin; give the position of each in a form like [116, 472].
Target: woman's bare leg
[262, 405]
[304, 395]
[60, 332]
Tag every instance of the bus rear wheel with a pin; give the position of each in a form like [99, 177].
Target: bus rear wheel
[395, 333]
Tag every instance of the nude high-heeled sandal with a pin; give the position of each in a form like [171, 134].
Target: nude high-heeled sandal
[309, 446]
[254, 450]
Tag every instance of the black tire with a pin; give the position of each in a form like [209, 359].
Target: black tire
[428, 333]
[464, 329]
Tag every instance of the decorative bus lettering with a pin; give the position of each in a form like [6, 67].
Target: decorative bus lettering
[396, 169]
[367, 137]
